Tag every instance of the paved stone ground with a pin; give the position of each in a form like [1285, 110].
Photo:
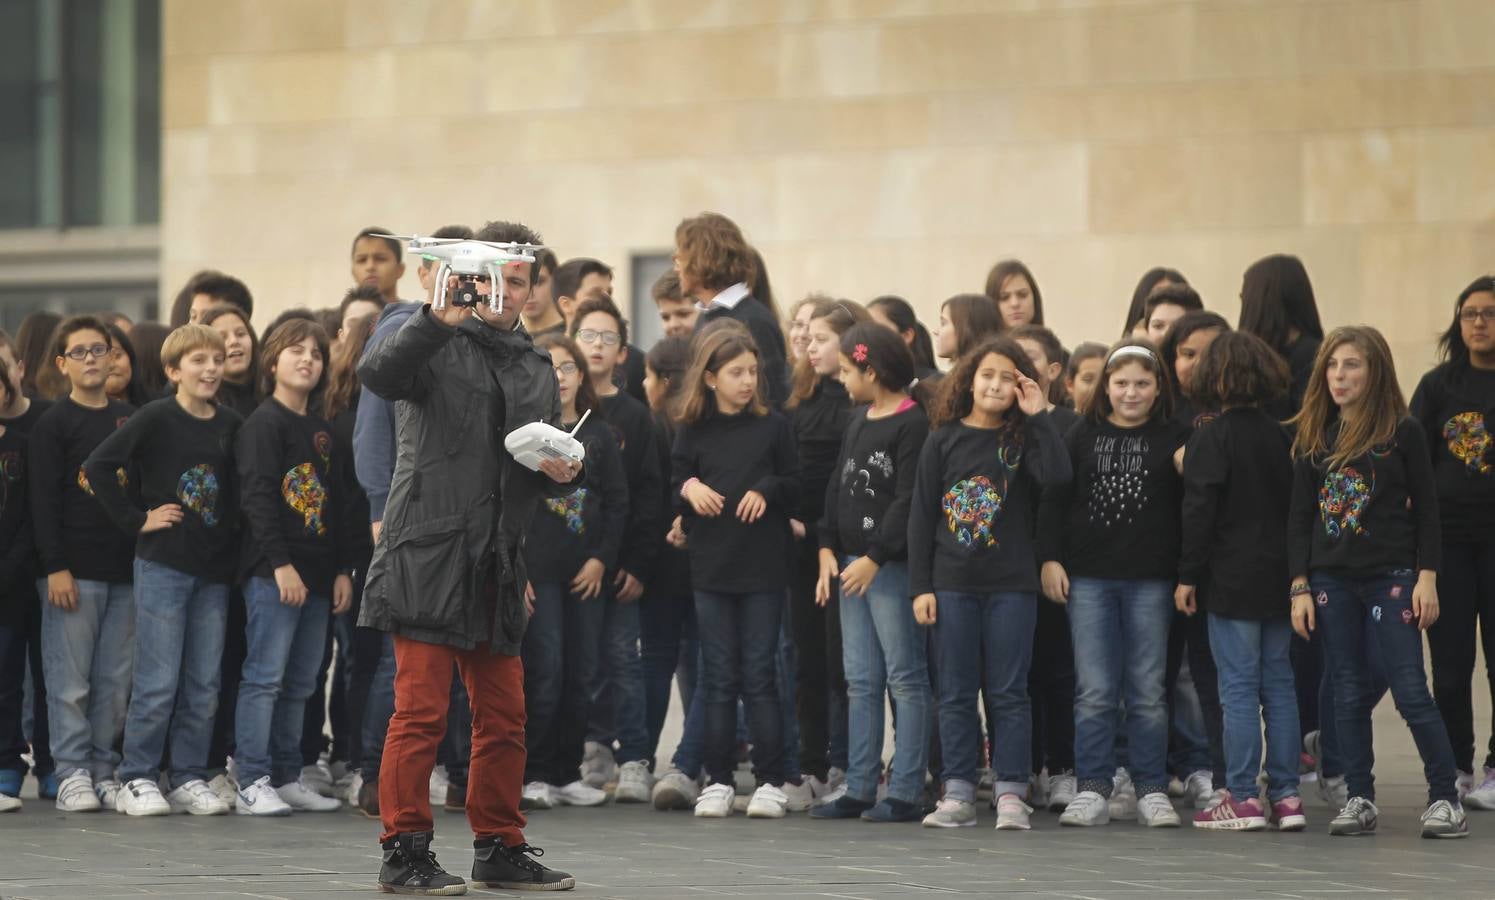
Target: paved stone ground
[635, 852]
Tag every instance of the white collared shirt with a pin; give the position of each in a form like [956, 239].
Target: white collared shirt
[728, 298]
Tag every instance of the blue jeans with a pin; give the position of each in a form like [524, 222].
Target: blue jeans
[180, 621]
[560, 662]
[87, 658]
[1120, 632]
[788, 674]
[740, 636]
[882, 649]
[284, 650]
[691, 751]
[617, 693]
[667, 627]
[995, 629]
[1361, 620]
[1252, 658]
[376, 715]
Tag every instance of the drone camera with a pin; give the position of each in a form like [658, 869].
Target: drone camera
[466, 292]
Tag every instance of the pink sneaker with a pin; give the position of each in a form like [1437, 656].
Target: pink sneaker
[1287, 813]
[1230, 815]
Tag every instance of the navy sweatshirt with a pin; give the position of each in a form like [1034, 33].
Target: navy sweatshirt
[970, 523]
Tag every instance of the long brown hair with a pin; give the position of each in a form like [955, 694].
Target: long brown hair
[840, 315]
[343, 382]
[975, 318]
[586, 395]
[1380, 410]
[288, 334]
[713, 350]
[1130, 350]
[957, 389]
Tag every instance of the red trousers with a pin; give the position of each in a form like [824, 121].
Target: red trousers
[423, 680]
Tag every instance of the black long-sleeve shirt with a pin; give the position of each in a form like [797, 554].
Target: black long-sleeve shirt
[867, 501]
[16, 560]
[672, 571]
[733, 455]
[970, 522]
[1118, 517]
[1373, 515]
[1456, 406]
[633, 429]
[72, 530]
[26, 421]
[819, 424]
[590, 522]
[1238, 481]
[294, 488]
[184, 460]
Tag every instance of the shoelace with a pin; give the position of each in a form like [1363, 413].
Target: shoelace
[520, 855]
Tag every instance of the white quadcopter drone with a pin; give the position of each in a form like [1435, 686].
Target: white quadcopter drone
[470, 261]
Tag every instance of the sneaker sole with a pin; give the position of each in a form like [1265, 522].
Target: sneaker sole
[766, 813]
[1473, 801]
[1254, 823]
[712, 814]
[1013, 826]
[670, 799]
[565, 884]
[622, 795]
[81, 809]
[1293, 823]
[1350, 832]
[1164, 823]
[969, 823]
[194, 811]
[1432, 835]
[277, 814]
[1081, 823]
[455, 890]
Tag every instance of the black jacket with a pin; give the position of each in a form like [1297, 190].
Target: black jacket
[458, 503]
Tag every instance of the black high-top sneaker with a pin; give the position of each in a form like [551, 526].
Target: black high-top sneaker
[514, 868]
[411, 868]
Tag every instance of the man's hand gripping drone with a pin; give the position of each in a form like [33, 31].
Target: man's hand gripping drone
[469, 261]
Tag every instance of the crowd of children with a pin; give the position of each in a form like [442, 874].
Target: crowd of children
[1082, 580]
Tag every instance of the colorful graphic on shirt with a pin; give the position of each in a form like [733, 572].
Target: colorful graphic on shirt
[572, 509]
[119, 475]
[971, 509]
[323, 442]
[1342, 500]
[1468, 439]
[197, 490]
[1117, 490]
[303, 492]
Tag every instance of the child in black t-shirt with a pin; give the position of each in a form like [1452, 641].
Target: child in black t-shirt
[736, 474]
[572, 544]
[1363, 544]
[298, 498]
[971, 572]
[88, 611]
[183, 446]
[863, 537]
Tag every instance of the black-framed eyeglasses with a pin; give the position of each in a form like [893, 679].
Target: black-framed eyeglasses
[1474, 315]
[97, 351]
[592, 336]
[566, 368]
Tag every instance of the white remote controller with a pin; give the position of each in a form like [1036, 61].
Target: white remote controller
[536, 442]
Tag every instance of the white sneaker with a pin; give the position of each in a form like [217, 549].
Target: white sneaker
[354, 787]
[302, 797]
[439, 783]
[769, 802]
[715, 802]
[226, 788]
[835, 778]
[839, 791]
[1463, 783]
[1334, 791]
[1481, 797]
[141, 797]
[1038, 790]
[1012, 813]
[675, 790]
[1123, 796]
[539, 795]
[598, 768]
[950, 813]
[1177, 787]
[318, 777]
[341, 776]
[1086, 809]
[1201, 788]
[260, 799]
[75, 793]
[1062, 790]
[635, 784]
[196, 798]
[800, 797]
[579, 793]
[9, 803]
[1156, 811]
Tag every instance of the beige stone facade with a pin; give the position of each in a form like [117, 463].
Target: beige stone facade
[866, 146]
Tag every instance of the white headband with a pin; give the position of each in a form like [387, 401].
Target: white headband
[1131, 350]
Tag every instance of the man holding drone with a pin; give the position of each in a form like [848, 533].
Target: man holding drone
[446, 578]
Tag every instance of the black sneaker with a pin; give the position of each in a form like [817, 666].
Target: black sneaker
[514, 869]
[411, 868]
